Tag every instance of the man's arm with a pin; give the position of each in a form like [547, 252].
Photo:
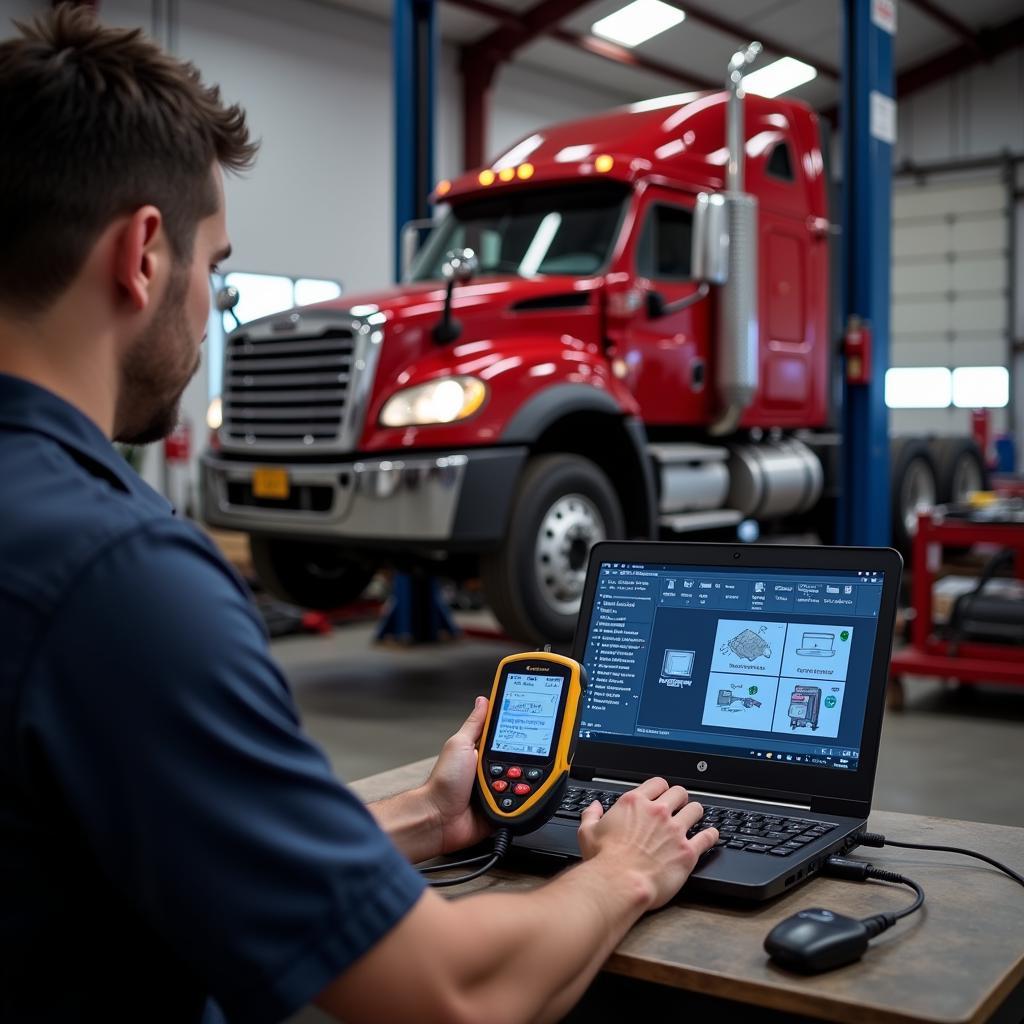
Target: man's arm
[436, 817]
[522, 957]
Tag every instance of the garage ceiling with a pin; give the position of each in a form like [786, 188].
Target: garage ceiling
[700, 46]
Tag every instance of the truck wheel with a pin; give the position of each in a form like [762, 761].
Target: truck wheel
[318, 576]
[914, 488]
[959, 468]
[564, 505]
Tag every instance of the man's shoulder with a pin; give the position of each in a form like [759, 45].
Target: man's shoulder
[60, 515]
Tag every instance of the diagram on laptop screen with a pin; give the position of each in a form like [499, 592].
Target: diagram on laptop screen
[800, 671]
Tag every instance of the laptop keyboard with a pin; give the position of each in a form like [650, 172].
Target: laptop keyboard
[752, 831]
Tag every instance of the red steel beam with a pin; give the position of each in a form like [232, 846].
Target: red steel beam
[630, 58]
[954, 24]
[744, 34]
[540, 19]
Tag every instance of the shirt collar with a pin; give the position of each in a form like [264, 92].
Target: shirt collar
[29, 407]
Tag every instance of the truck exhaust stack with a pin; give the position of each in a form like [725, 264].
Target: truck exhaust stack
[738, 317]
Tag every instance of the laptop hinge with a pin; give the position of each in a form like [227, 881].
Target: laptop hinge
[844, 808]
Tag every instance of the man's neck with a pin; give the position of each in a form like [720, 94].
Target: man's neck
[66, 358]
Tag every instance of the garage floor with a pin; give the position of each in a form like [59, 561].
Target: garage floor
[951, 753]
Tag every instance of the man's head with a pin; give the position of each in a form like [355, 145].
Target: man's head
[110, 187]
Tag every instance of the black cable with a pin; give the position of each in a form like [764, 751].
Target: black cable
[455, 864]
[876, 839]
[859, 870]
[502, 841]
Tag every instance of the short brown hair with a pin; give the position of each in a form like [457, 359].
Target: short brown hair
[96, 122]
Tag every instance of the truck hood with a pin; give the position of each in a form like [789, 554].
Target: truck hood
[498, 294]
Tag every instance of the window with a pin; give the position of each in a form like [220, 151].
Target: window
[918, 387]
[663, 253]
[265, 294]
[981, 387]
[533, 232]
[938, 387]
[780, 163]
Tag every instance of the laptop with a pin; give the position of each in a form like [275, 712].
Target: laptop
[753, 675]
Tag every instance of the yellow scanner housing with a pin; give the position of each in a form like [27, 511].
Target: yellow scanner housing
[529, 738]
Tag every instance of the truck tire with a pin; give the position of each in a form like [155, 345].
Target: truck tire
[959, 468]
[914, 485]
[319, 576]
[564, 505]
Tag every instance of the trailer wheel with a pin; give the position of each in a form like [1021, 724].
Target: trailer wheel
[914, 488]
[564, 505]
[319, 576]
[959, 468]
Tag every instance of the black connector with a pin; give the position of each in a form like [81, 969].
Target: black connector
[843, 867]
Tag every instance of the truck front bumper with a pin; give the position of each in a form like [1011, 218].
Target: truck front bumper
[458, 499]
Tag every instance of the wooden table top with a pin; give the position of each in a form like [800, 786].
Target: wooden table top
[957, 959]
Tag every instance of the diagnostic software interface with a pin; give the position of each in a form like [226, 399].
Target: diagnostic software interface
[771, 664]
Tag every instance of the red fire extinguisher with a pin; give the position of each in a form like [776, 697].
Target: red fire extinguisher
[857, 349]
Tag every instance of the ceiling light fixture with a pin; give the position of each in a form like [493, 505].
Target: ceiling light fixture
[637, 22]
[778, 77]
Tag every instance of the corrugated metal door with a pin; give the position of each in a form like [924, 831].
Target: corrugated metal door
[950, 280]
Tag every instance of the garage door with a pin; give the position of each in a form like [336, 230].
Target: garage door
[950, 308]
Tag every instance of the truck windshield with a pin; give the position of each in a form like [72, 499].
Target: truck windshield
[551, 231]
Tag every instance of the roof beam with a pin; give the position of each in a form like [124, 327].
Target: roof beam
[630, 58]
[540, 19]
[745, 34]
[964, 32]
[990, 44]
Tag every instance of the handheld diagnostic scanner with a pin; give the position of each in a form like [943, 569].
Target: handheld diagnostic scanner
[529, 739]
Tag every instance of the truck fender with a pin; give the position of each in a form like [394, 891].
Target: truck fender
[632, 474]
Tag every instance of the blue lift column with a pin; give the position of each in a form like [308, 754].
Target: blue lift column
[417, 612]
[868, 132]
[414, 56]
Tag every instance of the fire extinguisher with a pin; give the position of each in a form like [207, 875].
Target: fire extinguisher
[177, 451]
[857, 349]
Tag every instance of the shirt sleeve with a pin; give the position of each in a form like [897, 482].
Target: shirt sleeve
[174, 740]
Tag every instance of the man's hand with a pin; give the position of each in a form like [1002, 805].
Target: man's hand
[645, 833]
[450, 785]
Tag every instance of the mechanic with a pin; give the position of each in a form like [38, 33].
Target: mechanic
[174, 848]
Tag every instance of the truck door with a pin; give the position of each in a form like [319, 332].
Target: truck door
[666, 356]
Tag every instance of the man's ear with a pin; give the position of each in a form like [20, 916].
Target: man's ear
[139, 252]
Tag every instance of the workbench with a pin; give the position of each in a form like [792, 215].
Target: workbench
[960, 959]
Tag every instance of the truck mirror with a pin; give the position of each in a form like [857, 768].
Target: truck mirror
[410, 241]
[710, 254]
[227, 299]
[460, 266]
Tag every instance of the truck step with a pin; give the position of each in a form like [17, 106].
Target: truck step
[689, 522]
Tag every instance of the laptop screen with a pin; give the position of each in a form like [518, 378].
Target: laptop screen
[755, 663]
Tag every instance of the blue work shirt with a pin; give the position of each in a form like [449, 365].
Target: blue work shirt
[172, 847]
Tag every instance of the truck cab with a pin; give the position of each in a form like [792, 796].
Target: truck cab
[620, 328]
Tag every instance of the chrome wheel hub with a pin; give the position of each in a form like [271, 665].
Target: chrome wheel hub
[568, 530]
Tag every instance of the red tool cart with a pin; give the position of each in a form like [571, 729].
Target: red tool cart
[930, 654]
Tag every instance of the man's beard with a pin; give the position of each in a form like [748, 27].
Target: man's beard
[153, 373]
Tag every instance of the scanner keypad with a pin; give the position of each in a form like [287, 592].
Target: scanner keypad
[508, 780]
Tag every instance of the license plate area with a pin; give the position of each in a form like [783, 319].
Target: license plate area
[271, 482]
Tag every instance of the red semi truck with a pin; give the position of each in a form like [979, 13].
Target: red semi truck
[620, 328]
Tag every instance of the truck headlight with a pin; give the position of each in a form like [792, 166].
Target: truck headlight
[441, 401]
[215, 413]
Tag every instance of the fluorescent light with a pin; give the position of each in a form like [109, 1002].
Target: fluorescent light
[779, 77]
[981, 387]
[637, 22]
[918, 387]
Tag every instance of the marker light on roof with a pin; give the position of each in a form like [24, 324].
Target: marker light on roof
[443, 187]
[486, 177]
[525, 171]
[507, 173]
[604, 163]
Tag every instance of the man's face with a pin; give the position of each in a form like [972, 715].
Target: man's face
[165, 356]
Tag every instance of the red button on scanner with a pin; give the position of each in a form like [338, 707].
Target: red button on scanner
[499, 785]
[521, 789]
[515, 772]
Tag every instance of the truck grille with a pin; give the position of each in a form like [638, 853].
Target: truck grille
[287, 391]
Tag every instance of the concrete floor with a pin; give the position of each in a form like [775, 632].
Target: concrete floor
[951, 753]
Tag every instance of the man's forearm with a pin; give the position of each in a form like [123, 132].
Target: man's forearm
[412, 822]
